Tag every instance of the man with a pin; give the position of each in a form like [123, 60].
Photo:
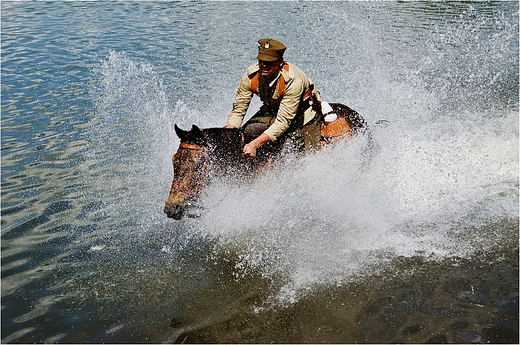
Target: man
[286, 114]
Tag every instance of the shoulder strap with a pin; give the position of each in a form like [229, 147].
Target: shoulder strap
[281, 82]
[254, 82]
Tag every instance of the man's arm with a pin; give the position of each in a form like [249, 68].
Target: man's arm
[241, 103]
[250, 149]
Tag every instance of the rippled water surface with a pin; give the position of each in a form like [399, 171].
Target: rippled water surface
[416, 243]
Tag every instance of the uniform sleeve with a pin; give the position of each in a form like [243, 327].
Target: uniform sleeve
[288, 109]
[241, 103]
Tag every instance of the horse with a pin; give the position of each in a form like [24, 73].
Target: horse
[208, 152]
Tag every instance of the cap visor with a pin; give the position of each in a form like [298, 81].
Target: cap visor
[264, 57]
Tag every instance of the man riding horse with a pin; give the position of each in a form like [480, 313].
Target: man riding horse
[288, 113]
[292, 119]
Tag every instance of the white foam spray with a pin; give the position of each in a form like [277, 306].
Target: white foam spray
[437, 178]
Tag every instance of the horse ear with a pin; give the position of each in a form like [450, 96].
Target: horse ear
[196, 131]
[197, 135]
[183, 135]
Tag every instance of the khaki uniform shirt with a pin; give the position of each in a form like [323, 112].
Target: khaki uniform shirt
[285, 107]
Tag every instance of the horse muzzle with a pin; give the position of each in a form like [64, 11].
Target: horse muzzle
[175, 211]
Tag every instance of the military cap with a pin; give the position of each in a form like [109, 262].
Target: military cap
[270, 49]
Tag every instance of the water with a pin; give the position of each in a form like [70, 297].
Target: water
[418, 243]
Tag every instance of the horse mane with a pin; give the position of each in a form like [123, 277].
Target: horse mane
[210, 138]
[223, 141]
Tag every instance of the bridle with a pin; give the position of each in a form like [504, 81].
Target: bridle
[188, 146]
[177, 187]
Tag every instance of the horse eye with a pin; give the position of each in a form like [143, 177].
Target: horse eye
[197, 165]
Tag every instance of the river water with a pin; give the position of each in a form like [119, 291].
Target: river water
[416, 243]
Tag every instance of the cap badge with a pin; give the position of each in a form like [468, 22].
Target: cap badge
[266, 45]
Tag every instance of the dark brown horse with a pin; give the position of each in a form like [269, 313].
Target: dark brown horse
[204, 153]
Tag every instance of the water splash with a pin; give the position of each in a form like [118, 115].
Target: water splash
[327, 221]
[443, 172]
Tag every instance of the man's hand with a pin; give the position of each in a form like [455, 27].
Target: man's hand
[229, 126]
[250, 149]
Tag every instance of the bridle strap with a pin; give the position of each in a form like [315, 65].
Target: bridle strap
[188, 146]
[176, 186]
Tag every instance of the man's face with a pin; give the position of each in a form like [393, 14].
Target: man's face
[269, 68]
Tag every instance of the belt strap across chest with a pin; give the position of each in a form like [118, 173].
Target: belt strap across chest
[281, 81]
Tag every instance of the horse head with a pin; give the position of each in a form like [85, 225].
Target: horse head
[202, 153]
[190, 171]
